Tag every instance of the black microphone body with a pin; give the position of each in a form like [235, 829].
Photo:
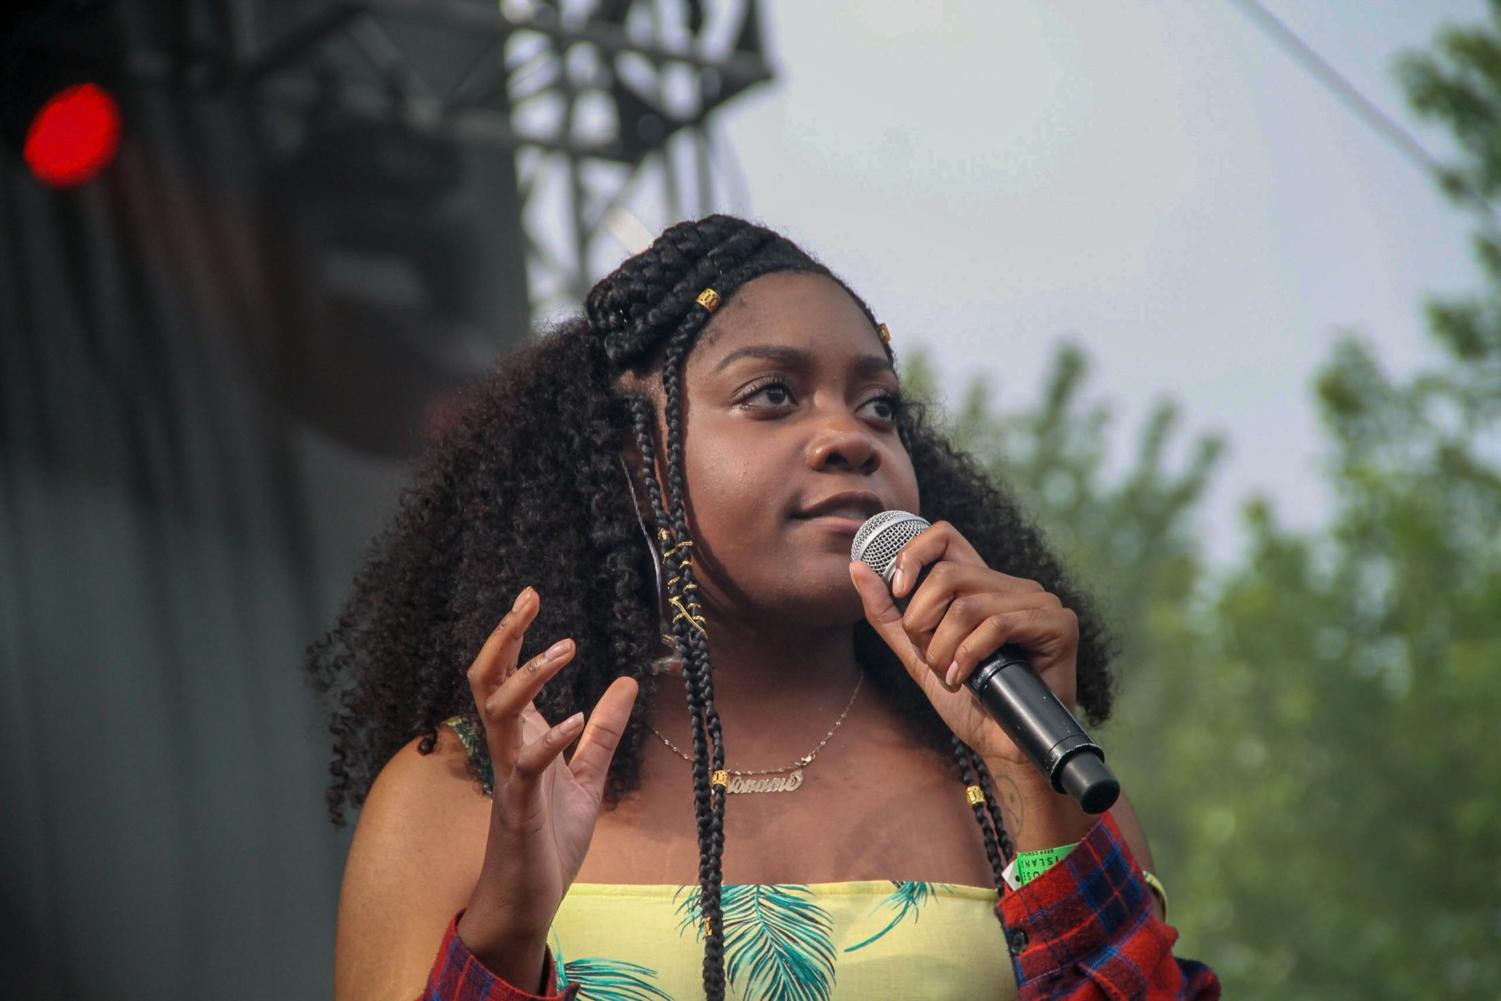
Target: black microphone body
[1008, 688]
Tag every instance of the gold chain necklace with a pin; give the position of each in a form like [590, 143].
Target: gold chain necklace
[740, 782]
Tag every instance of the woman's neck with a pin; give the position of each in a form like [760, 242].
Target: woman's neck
[775, 690]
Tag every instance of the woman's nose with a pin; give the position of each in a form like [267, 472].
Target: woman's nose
[843, 443]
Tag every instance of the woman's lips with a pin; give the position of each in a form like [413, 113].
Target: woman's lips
[846, 524]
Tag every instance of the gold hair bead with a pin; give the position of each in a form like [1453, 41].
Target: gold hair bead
[885, 333]
[709, 299]
[974, 794]
[721, 778]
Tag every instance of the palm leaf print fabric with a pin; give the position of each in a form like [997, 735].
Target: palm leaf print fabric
[776, 942]
[606, 979]
[907, 900]
[784, 942]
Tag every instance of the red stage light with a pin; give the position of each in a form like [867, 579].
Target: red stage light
[74, 136]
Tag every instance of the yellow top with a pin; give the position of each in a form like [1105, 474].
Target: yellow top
[785, 942]
[848, 941]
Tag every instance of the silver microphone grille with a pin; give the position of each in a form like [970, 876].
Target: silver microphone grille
[883, 536]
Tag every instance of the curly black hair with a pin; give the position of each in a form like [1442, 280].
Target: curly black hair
[526, 486]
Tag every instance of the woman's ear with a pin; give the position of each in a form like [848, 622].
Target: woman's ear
[631, 462]
[634, 465]
[631, 459]
[636, 391]
[631, 456]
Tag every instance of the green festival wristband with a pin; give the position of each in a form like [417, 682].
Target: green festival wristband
[1030, 865]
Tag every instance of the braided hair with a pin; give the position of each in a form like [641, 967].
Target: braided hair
[526, 486]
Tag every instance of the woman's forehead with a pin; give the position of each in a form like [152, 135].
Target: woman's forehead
[811, 311]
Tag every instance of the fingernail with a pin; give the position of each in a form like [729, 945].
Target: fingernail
[521, 598]
[572, 723]
[896, 582]
[556, 650]
[952, 678]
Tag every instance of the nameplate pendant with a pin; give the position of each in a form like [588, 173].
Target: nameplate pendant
[766, 783]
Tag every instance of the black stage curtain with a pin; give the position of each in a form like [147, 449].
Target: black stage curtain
[172, 534]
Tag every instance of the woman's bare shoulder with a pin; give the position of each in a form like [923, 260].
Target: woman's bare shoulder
[413, 778]
[416, 853]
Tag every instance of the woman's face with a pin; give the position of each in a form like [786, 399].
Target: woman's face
[789, 407]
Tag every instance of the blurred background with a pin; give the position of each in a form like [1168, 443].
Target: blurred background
[1213, 285]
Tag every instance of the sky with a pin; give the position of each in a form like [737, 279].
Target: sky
[1154, 181]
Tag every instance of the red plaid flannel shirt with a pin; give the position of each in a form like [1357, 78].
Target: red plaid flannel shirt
[1083, 930]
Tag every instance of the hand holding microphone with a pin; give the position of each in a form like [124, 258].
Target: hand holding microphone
[946, 609]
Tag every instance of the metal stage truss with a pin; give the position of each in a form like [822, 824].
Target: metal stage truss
[600, 103]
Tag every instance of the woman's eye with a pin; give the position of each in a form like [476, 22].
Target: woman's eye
[887, 405]
[775, 392]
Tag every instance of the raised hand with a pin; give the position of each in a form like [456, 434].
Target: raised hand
[544, 809]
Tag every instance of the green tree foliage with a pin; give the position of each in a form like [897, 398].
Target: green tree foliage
[1311, 732]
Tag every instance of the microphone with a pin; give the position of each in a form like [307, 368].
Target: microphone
[1026, 709]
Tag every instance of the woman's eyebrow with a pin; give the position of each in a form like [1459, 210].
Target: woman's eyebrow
[798, 358]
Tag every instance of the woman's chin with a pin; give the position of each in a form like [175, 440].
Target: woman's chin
[821, 603]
